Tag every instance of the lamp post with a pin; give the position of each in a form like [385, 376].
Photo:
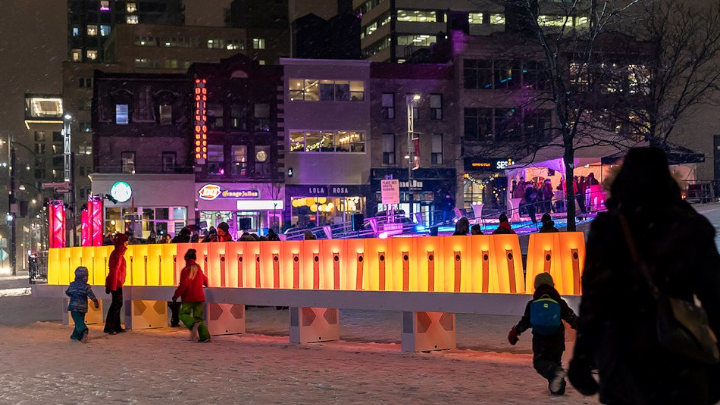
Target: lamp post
[411, 103]
[69, 175]
[12, 204]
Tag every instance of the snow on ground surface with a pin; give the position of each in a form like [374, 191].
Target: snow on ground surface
[366, 366]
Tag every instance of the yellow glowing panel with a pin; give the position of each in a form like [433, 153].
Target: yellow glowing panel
[572, 259]
[402, 276]
[54, 266]
[86, 259]
[167, 264]
[509, 264]
[378, 258]
[101, 254]
[152, 270]
[457, 264]
[430, 262]
[483, 265]
[136, 259]
[75, 261]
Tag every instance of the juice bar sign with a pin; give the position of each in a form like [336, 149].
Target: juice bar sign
[211, 192]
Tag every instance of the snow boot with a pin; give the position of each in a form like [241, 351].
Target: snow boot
[84, 337]
[557, 383]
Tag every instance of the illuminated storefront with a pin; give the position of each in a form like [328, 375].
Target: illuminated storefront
[140, 208]
[251, 207]
[311, 205]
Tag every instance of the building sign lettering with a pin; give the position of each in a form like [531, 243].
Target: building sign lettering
[211, 192]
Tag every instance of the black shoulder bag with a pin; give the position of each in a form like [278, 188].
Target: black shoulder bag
[682, 327]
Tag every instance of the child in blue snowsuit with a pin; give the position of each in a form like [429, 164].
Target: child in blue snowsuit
[79, 292]
[544, 314]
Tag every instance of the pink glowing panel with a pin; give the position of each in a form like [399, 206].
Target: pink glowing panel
[95, 220]
[84, 229]
[56, 221]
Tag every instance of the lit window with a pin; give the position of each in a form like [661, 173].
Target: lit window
[475, 18]
[261, 62]
[132, 19]
[416, 40]
[258, 43]
[436, 156]
[76, 55]
[357, 91]
[262, 166]
[553, 20]
[75, 31]
[349, 141]
[92, 30]
[297, 141]
[91, 54]
[239, 160]
[104, 5]
[234, 44]
[327, 141]
[416, 16]
[165, 114]
[388, 149]
[121, 114]
[582, 22]
[497, 18]
[128, 162]
[216, 43]
[388, 105]
[131, 7]
[104, 30]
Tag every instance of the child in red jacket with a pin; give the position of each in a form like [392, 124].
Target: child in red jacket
[192, 280]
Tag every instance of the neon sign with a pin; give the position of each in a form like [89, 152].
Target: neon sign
[210, 192]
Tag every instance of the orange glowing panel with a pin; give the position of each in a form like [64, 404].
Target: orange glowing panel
[310, 267]
[354, 259]
[541, 257]
[378, 258]
[430, 262]
[483, 265]
[572, 260]
[269, 259]
[402, 274]
[235, 264]
[290, 264]
[509, 264]
[213, 265]
[332, 263]
[457, 268]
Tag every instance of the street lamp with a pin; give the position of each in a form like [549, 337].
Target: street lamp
[411, 103]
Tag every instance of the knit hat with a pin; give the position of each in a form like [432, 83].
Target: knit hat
[224, 226]
[81, 273]
[503, 218]
[544, 278]
[546, 218]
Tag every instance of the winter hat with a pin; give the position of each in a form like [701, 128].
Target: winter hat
[546, 218]
[224, 226]
[503, 218]
[544, 278]
[81, 273]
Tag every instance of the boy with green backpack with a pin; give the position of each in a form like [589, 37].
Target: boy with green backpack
[544, 314]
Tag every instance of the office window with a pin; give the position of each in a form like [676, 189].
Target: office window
[436, 107]
[92, 54]
[388, 145]
[216, 160]
[92, 30]
[131, 19]
[436, 156]
[357, 91]
[537, 124]
[579, 76]
[165, 114]
[638, 79]
[507, 124]
[416, 40]
[127, 160]
[258, 43]
[39, 148]
[85, 149]
[349, 141]
[104, 5]
[76, 55]
[215, 115]
[327, 90]
[535, 75]
[582, 22]
[234, 44]
[168, 161]
[416, 16]
[104, 30]
[497, 19]
[262, 117]
[477, 74]
[308, 89]
[261, 62]
[121, 114]
[507, 74]
[239, 160]
[297, 141]
[478, 124]
[76, 31]
[388, 105]
[216, 43]
[131, 7]
[475, 18]
[238, 116]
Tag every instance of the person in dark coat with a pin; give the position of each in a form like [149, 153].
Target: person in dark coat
[476, 230]
[617, 324]
[548, 225]
[79, 292]
[222, 234]
[548, 340]
[462, 227]
[504, 226]
[547, 195]
[272, 236]
[183, 236]
[114, 283]
[531, 197]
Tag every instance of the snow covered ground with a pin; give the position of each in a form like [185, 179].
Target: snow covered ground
[156, 366]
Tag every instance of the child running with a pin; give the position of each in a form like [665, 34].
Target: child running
[192, 280]
[544, 314]
[79, 291]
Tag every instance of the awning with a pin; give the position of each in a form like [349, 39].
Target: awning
[676, 154]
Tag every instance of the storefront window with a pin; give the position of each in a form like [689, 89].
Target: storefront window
[331, 210]
[144, 221]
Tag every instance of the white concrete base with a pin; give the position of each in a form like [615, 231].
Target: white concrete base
[424, 331]
[225, 319]
[144, 314]
[309, 325]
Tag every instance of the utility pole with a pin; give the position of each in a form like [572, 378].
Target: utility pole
[12, 204]
[411, 103]
[69, 175]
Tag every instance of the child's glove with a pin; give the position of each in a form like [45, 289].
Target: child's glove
[513, 336]
[174, 299]
[97, 304]
[107, 290]
[580, 376]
